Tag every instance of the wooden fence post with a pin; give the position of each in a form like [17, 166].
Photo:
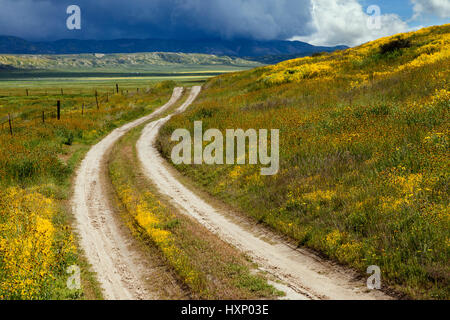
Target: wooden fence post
[27, 92]
[10, 124]
[43, 117]
[58, 110]
[82, 109]
[117, 88]
[96, 99]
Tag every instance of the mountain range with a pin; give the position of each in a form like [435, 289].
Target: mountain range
[263, 51]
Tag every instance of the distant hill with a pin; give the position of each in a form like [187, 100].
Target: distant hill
[234, 48]
[132, 62]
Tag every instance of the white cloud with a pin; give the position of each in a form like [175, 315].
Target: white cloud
[441, 8]
[345, 22]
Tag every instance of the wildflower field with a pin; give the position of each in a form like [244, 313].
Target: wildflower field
[364, 154]
[38, 155]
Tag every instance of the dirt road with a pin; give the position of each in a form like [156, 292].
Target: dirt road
[306, 275]
[120, 269]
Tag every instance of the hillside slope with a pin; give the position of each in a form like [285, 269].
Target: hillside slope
[364, 145]
[119, 62]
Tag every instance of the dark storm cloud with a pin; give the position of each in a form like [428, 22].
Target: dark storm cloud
[107, 19]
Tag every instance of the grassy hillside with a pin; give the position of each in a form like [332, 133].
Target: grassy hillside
[137, 62]
[364, 154]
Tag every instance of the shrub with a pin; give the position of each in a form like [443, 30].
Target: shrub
[395, 45]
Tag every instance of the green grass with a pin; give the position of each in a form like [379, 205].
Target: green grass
[39, 160]
[364, 142]
[128, 69]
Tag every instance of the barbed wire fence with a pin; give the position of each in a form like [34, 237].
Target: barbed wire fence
[18, 120]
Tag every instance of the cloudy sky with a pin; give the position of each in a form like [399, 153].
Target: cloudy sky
[320, 22]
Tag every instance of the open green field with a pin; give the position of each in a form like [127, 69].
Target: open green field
[131, 69]
[40, 82]
[46, 75]
[22, 90]
[52, 87]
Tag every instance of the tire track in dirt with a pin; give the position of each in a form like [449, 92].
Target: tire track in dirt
[303, 274]
[119, 268]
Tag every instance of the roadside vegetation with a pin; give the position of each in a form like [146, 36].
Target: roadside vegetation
[208, 267]
[364, 154]
[37, 161]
